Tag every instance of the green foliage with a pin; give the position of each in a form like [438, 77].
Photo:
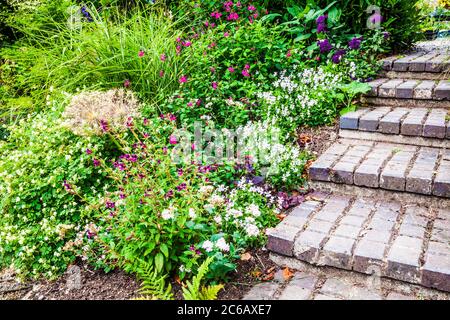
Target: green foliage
[153, 286]
[71, 53]
[195, 290]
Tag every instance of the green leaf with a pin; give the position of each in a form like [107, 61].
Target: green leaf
[164, 249]
[159, 261]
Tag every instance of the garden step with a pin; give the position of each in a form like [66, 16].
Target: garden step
[410, 89]
[391, 239]
[433, 62]
[398, 125]
[388, 166]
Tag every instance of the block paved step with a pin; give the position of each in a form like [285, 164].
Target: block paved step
[410, 89]
[404, 103]
[424, 62]
[396, 124]
[397, 167]
[391, 239]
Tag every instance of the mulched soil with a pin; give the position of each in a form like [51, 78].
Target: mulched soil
[117, 285]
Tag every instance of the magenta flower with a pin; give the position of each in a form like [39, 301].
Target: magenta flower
[251, 8]
[163, 57]
[183, 79]
[67, 185]
[193, 147]
[187, 44]
[173, 140]
[182, 186]
[127, 83]
[141, 53]
[180, 172]
[245, 73]
[214, 85]
[288, 54]
[226, 34]
[172, 117]
[190, 104]
[198, 102]
[110, 204]
[104, 125]
[88, 151]
[161, 73]
[178, 49]
[216, 15]
[230, 69]
[178, 39]
[96, 162]
[212, 69]
[247, 67]
[233, 16]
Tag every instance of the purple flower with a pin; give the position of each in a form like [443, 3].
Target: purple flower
[355, 43]
[119, 165]
[110, 205]
[67, 185]
[386, 35]
[182, 186]
[376, 18]
[324, 45]
[169, 194]
[96, 162]
[337, 56]
[321, 28]
[104, 125]
[321, 19]
[180, 172]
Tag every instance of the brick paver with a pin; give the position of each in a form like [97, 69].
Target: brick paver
[368, 235]
[419, 62]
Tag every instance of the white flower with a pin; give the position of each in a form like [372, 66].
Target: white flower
[218, 219]
[217, 200]
[235, 213]
[253, 209]
[208, 246]
[252, 230]
[168, 214]
[192, 213]
[222, 245]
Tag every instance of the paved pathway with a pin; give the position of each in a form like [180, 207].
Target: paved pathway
[382, 204]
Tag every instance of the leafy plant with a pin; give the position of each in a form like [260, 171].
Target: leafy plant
[195, 290]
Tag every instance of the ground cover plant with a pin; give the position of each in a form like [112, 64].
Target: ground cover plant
[116, 117]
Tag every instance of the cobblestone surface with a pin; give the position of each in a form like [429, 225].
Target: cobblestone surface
[405, 242]
[421, 122]
[410, 89]
[420, 170]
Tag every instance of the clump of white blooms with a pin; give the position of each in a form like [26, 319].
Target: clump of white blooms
[24, 4]
[89, 112]
[263, 144]
[168, 214]
[298, 93]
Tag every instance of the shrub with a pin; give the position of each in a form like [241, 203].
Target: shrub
[38, 216]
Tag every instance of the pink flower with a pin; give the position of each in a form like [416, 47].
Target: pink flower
[231, 69]
[212, 45]
[178, 49]
[161, 73]
[163, 57]
[226, 34]
[172, 117]
[212, 69]
[183, 79]
[288, 54]
[216, 15]
[251, 8]
[141, 53]
[245, 73]
[178, 39]
[187, 44]
[198, 102]
[190, 104]
[212, 25]
[173, 140]
[206, 24]
[127, 83]
[193, 146]
[214, 85]
[233, 16]
[247, 67]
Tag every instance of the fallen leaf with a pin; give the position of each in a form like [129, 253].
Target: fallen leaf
[270, 270]
[256, 273]
[287, 273]
[177, 279]
[281, 216]
[305, 139]
[246, 256]
[268, 277]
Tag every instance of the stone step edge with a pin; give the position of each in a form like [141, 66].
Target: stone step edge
[394, 138]
[407, 103]
[292, 237]
[407, 75]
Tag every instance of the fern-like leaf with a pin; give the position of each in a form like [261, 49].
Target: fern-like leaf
[194, 290]
[153, 285]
